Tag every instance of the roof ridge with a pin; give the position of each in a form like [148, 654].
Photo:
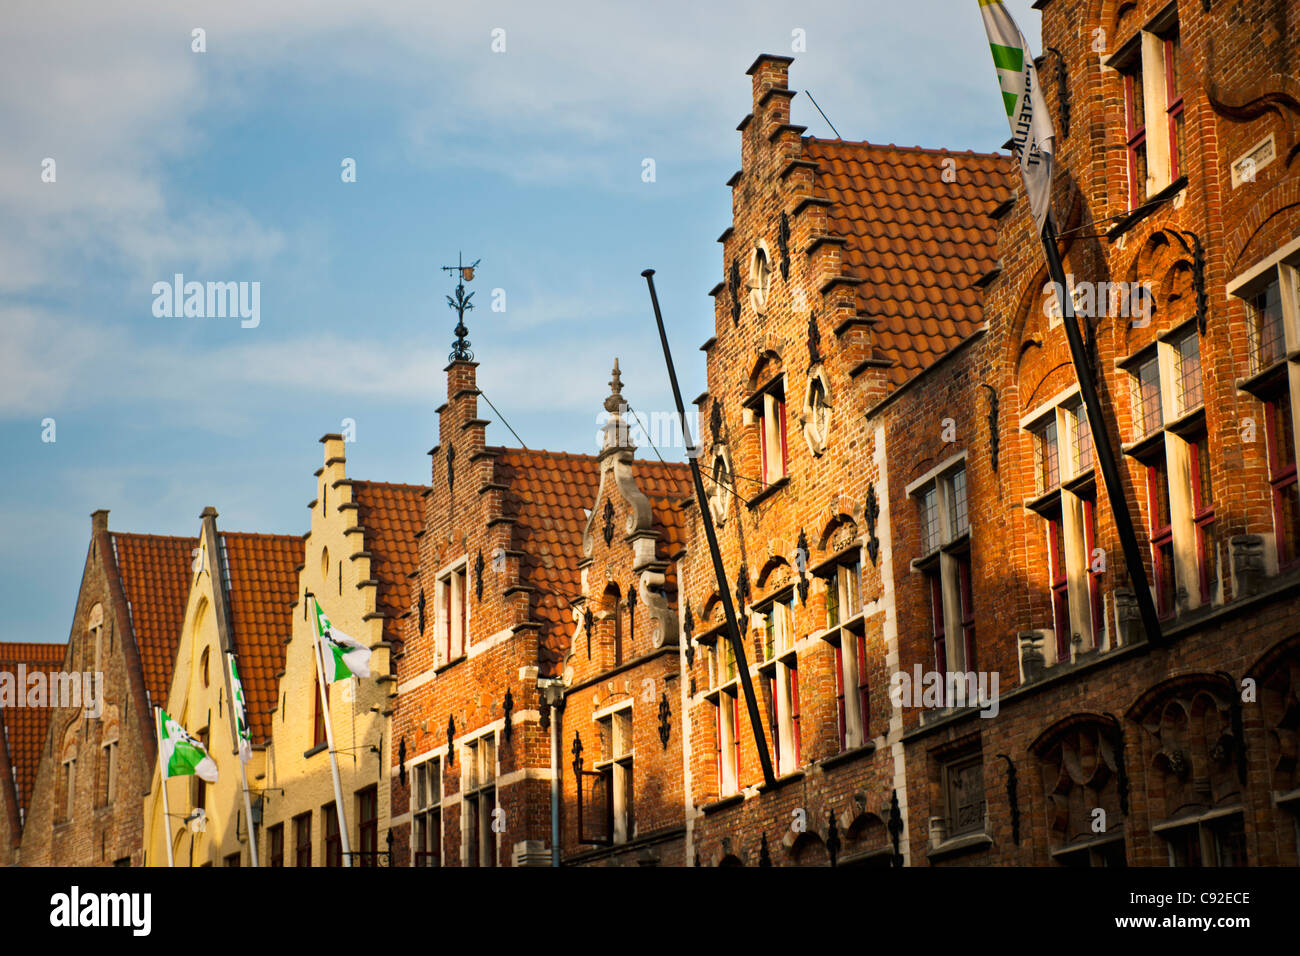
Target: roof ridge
[906, 149]
[388, 484]
[153, 537]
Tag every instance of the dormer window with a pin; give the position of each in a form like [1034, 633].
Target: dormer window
[760, 278]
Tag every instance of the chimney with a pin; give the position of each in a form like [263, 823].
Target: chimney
[99, 520]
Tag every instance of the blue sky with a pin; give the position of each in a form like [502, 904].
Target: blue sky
[225, 166]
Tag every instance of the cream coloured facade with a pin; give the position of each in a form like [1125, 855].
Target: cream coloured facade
[358, 554]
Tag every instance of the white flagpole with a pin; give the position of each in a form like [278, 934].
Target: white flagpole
[329, 740]
[248, 815]
[162, 782]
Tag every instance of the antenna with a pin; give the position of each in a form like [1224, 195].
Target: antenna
[824, 116]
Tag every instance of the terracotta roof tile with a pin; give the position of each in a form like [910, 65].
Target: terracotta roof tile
[910, 233]
[391, 515]
[263, 584]
[24, 727]
[155, 573]
[549, 495]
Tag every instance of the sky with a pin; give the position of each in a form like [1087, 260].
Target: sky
[227, 165]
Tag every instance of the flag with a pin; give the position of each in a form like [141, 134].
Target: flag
[182, 754]
[342, 656]
[1031, 126]
[240, 710]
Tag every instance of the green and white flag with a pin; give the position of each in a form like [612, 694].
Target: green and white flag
[1031, 126]
[182, 755]
[240, 709]
[343, 657]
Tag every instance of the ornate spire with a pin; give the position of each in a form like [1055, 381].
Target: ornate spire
[616, 430]
[460, 303]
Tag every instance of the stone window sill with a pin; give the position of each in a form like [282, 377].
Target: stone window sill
[968, 843]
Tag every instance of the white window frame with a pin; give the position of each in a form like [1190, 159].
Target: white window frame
[783, 660]
[620, 764]
[760, 291]
[941, 479]
[461, 610]
[472, 790]
[421, 812]
[1148, 47]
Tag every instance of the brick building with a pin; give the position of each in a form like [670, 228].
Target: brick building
[84, 807]
[22, 733]
[955, 482]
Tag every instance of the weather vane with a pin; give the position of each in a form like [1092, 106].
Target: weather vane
[460, 351]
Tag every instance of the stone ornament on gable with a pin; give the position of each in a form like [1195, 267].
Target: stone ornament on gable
[816, 414]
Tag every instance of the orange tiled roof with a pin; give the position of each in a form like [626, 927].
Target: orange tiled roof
[391, 515]
[549, 494]
[919, 242]
[24, 727]
[666, 485]
[155, 573]
[263, 584]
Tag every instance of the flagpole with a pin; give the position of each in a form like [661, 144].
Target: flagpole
[329, 741]
[1101, 442]
[162, 778]
[248, 815]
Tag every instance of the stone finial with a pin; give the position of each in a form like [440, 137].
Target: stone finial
[614, 404]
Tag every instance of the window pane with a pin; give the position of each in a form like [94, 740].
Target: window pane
[1082, 439]
[1047, 457]
[1189, 372]
[930, 519]
[957, 515]
[1268, 337]
[1148, 412]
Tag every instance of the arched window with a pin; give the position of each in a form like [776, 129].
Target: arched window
[612, 606]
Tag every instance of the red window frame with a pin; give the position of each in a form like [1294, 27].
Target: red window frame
[1161, 536]
[446, 616]
[795, 727]
[1282, 475]
[1060, 582]
[1173, 100]
[940, 635]
[839, 697]
[1202, 508]
[864, 696]
[967, 609]
[779, 401]
[1135, 134]
[1094, 577]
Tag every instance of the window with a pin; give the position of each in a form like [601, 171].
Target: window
[1272, 296]
[318, 735]
[1267, 339]
[780, 671]
[1047, 467]
[1151, 71]
[69, 786]
[945, 563]
[1148, 416]
[368, 826]
[613, 607]
[107, 770]
[816, 415]
[1110, 854]
[428, 813]
[453, 613]
[480, 801]
[302, 839]
[1160, 533]
[727, 741]
[1187, 358]
[333, 845]
[770, 417]
[843, 593]
[231, 859]
[1220, 842]
[852, 700]
[616, 767]
[963, 789]
[1203, 513]
[1060, 586]
[1082, 439]
[275, 845]
[203, 665]
[1280, 435]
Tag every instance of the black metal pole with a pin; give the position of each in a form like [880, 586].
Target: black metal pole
[724, 590]
[1101, 443]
